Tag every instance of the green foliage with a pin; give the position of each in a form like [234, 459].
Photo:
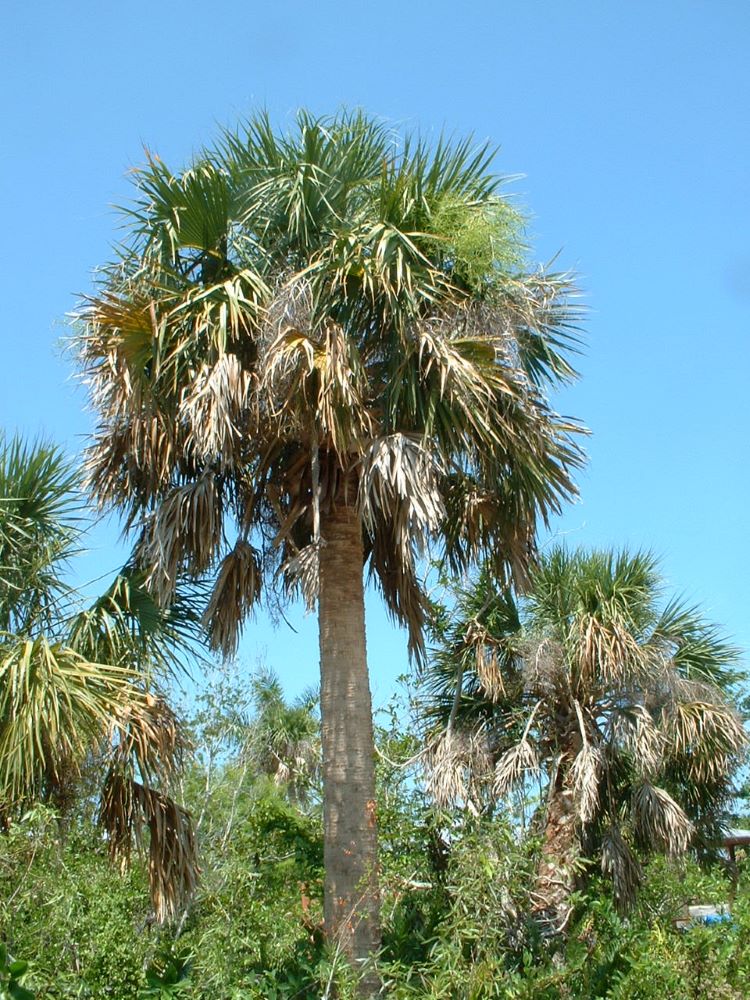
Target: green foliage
[481, 240]
[168, 977]
[457, 908]
[12, 971]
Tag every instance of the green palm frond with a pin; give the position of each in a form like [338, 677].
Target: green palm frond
[74, 684]
[129, 627]
[39, 531]
[55, 707]
[698, 649]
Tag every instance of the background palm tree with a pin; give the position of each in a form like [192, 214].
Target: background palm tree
[283, 739]
[316, 353]
[621, 702]
[77, 684]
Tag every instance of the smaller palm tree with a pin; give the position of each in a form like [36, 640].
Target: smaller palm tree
[621, 704]
[283, 738]
[77, 684]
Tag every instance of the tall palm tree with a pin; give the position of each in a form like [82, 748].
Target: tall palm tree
[621, 702]
[318, 353]
[77, 683]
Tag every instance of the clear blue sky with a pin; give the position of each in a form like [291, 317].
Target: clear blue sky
[628, 123]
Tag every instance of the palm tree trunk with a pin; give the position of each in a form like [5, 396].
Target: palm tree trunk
[556, 874]
[351, 909]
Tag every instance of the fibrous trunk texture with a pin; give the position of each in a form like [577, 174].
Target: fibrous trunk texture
[350, 826]
[556, 875]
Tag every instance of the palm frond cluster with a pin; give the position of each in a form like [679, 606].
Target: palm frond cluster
[331, 315]
[77, 683]
[619, 704]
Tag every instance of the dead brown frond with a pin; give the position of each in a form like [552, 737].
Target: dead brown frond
[621, 865]
[475, 516]
[399, 483]
[486, 663]
[543, 666]
[445, 764]
[607, 653]
[659, 822]
[128, 808]
[291, 308]
[184, 533]
[585, 773]
[131, 458]
[514, 765]
[147, 740]
[638, 732]
[395, 570]
[458, 767]
[314, 378]
[464, 374]
[301, 573]
[214, 409]
[148, 736]
[237, 588]
[517, 763]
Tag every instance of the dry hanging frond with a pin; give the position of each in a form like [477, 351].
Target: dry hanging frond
[446, 765]
[214, 408]
[458, 767]
[709, 734]
[172, 856]
[486, 662]
[149, 737]
[514, 765]
[236, 590]
[585, 773]
[542, 665]
[608, 653]
[127, 808]
[639, 733]
[132, 458]
[396, 573]
[315, 378]
[622, 866]
[291, 308]
[301, 573]
[518, 762]
[399, 484]
[659, 821]
[184, 532]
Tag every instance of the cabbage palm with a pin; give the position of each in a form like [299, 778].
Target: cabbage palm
[319, 353]
[620, 701]
[76, 682]
[283, 739]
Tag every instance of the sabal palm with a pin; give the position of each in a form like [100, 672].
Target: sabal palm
[74, 681]
[283, 738]
[319, 352]
[620, 701]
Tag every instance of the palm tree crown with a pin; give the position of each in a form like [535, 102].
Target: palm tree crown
[299, 318]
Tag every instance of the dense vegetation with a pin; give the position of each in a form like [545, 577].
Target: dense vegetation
[457, 907]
